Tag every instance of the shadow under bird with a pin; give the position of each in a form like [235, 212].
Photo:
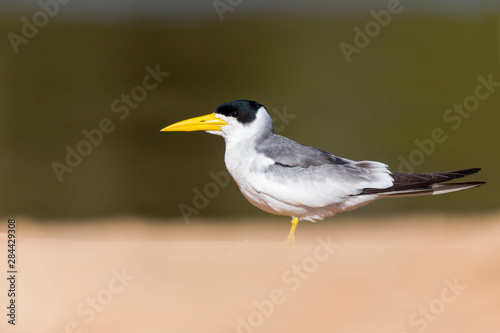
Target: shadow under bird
[283, 177]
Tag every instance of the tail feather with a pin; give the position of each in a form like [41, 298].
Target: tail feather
[416, 184]
[435, 189]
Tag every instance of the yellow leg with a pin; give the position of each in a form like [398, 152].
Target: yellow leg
[291, 237]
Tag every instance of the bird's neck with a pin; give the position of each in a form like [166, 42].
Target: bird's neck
[240, 153]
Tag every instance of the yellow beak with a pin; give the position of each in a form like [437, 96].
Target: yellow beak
[203, 123]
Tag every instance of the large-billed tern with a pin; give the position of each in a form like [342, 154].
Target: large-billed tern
[283, 177]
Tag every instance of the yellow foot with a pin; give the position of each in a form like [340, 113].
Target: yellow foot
[291, 237]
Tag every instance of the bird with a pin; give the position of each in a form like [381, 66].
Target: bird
[283, 177]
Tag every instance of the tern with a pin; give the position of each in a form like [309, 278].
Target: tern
[283, 177]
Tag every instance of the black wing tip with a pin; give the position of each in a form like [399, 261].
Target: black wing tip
[408, 181]
[467, 171]
[475, 184]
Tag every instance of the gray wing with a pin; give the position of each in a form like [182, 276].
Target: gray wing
[288, 153]
[326, 177]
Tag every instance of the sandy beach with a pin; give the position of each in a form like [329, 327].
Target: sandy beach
[429, 273]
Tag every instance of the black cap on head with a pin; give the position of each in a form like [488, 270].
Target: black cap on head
[245, 111]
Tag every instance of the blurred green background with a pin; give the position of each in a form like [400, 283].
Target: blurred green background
[394, 91]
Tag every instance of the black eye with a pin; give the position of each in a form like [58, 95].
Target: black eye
[235, 114]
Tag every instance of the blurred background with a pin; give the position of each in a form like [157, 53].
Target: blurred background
[84, 92]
